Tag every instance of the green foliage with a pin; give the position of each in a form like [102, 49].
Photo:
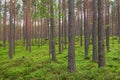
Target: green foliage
[43, 9]
[37, 65]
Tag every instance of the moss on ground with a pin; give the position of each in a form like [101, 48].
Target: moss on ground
[36, 65]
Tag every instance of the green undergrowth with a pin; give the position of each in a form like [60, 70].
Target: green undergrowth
[37, 64]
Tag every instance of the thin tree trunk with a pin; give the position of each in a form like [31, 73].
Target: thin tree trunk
[4, 35]
[60, 47]
[0, 21]
[119, 21]
[81, 28]
[107, 24]
[65, 23]
[14, 17]
[86, 29]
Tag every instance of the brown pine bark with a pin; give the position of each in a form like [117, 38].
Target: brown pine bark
[11, 31]
[24, 23]
[14, 20]
[107, 24]
[119, 21]
[101, 54]
[71, 39]
[86, 28]
[94, 32]
[52, 32]
[80, 20]
[4, 33]
[27, 24]
[41, 32]
[0, 21]
[81, 27]
[60, 46]
[65, 23]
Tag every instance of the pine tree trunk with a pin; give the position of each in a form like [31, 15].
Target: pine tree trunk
[86, 28]
[71, 40]
[94, 31]
[0, 21]
[14, 20]
[101, 54]
[4, 34]
[52, 32]
[11, 32]
[119, 21]
[60, 47]
[107, 24]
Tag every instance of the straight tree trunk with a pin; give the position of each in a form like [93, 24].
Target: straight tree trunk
[107, 24]
[52, 32]
[0, 21]
[14, 17]
[39, 26]
[10, 36]
[81, 28]
[41, 32]
[71, 39]
[60, 46]
[86, 28]
[24, 24]
[119, 21]
[101, 54]
[80, 16]
[28, 25]
[112, 17]
[4, 35]
[94, 32]
[65, 23]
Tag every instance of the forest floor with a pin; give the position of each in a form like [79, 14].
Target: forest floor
[36, 65]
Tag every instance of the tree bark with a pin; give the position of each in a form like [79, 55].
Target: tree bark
[86, 28]
[119, 21]
[71, 40]
[94, 32]
[11, 32]
[52, 32]
[60, 46]
[101, 54]
[107, 24]
[0, 21]
[4, 35]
